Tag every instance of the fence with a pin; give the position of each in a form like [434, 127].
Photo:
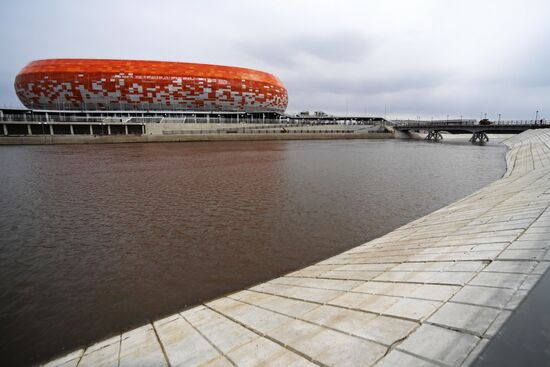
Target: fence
[471, 123]
[256, 131]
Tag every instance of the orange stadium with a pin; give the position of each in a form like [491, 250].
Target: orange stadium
[94, 84]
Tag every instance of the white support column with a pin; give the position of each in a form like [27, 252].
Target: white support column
[5, 129]
[29, 130]
[126, 129]
[51, 130]
[47, 117]
[72, 130]
[91, 129]
[108, 129]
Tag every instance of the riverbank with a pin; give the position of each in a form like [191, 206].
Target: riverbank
[112, 139]
[434, 291]
[117, 131]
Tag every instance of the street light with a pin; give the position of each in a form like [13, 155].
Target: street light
[536, 116]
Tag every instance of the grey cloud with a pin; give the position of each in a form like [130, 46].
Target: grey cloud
[536, 70]
[338, 47]
[7, 90]
[348, 84]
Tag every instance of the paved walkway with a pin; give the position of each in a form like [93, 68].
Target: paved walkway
[431, 293]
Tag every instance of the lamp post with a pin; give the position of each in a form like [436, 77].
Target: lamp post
[499, 118]
[536, 116]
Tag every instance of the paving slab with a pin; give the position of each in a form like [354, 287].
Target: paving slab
[224, 334]
[522, 267]
[368, 302]
[414, 309]
[333, 284]
[496, 325]
[468, 318]
[476, 352]
[484, 296]
[327, 346]
[140, 347]
[102, 354]
[258, 319]
[286, 306]
[511, 254]
[399, 358]
[530, 281]
[439, 344]
[264, 352]
[381, 329]
[500, 280]
[542, 267]
[430, 292]
[296, 292]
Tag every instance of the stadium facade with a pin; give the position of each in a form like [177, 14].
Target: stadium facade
[133, 85]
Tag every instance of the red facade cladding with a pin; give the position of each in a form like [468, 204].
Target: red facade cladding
[89, 84]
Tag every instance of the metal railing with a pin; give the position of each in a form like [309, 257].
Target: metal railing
[472, 123]
[255, 131]
[41, 118]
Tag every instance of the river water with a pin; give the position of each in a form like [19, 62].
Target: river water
[96, 239]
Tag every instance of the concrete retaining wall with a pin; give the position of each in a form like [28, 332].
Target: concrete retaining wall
[109, 139]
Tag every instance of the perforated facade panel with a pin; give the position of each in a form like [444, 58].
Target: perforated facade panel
[93, 84]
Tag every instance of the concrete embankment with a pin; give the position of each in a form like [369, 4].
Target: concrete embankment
[110, 139]
[19, 133]
[433, 292]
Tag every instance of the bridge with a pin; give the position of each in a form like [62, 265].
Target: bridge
[479, 131]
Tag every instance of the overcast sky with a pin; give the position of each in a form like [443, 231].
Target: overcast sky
[410, 58]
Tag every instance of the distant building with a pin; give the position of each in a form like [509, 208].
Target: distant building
[93, 84]
[319, 114]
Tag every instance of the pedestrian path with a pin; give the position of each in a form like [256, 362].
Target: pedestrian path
[431, 293]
